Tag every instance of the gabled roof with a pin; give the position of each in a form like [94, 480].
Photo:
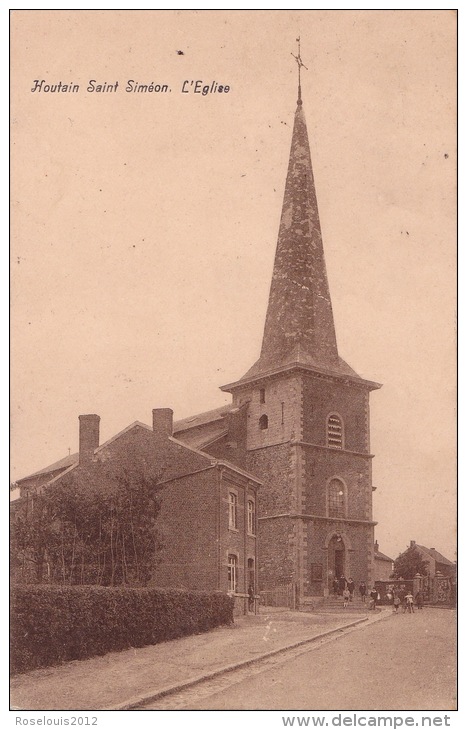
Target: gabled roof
[73, 459]
[435, 555]
[64, 463]
[121, 433]
[381, 556]
[205, 425]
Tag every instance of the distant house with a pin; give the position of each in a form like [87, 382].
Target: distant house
[383, 565]
[207, 521]
[435, 561]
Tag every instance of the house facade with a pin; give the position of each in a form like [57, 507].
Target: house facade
[435, 561]
[384, 566]
[207, 521]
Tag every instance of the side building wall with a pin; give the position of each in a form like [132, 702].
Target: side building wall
[188, 533]
[240, 542]
[197, 537]
[383, 569]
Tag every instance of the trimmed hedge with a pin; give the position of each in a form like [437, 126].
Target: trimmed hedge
[55, 624]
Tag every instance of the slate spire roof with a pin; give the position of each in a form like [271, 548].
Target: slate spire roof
[299, 321]
[299, 328]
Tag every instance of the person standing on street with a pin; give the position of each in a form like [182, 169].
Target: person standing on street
[362, 589]
[419, 600]
[397, 602]
[342, 585]
[346, 596]
[351, 587]
[373, 597]
[409, 602]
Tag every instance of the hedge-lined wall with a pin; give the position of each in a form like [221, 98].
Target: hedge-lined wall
[54, 624]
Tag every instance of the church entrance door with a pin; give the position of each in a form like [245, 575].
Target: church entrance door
[338, 562]
[336, 558]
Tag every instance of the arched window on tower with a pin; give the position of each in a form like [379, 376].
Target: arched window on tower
[335, 432]
[263, 422]
[336, 498]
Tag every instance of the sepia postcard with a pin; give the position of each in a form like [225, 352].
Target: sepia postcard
[233, 364]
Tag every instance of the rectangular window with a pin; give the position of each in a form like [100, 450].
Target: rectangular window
[232, 573]
[262, 395]
[251, 517]
[233, 510]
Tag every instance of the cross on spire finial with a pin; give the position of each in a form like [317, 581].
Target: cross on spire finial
[300, 64]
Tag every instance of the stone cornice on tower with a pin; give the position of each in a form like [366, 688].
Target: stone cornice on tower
[350, 376]
[299, 329]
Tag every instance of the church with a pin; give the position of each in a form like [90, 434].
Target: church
[299, 419]
[296, 435]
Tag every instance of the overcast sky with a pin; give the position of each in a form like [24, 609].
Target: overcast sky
[145, 225]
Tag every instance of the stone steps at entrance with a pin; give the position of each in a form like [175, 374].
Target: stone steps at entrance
[333, 603]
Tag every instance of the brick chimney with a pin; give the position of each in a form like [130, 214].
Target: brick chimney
[376, 546]
[88, 436]
[412, 543]
[162, 422]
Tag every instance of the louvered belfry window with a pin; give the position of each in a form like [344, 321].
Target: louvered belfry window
[335, 432]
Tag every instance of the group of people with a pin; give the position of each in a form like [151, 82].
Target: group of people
[406, 602]
[345, 587]
[400, 599]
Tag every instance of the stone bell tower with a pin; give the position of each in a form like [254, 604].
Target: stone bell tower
[307, 424]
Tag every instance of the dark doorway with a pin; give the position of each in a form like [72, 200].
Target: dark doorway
[338, 562]
[336, 557]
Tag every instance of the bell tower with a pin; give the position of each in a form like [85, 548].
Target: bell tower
[307, 427]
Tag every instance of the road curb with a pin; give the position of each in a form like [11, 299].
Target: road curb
[172, 689]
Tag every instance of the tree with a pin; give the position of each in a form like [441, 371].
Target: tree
[409, 563]
[31, 533]
[96, 527]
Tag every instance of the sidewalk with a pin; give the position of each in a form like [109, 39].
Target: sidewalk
[120, 680]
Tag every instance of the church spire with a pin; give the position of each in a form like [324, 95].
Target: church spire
[299, 328]
[299, 321]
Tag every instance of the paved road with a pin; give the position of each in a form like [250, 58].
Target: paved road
[405, 662]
